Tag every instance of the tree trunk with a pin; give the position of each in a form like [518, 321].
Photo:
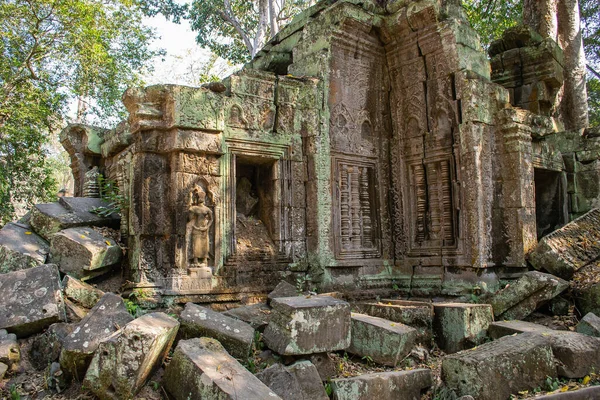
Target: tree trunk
[559, 20]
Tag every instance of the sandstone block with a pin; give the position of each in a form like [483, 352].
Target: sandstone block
[324, 364]
[384, 341]
[201, 369]
[21, 248]
[257, 315]
[526, 294]
[383, 385]
[30, 300]
[300, 381]
[283, 289]
[3, 369]
[306, 325]
[500, 368]
[577, 354]
[105, 318]
[83, 252]
[124, 362]
[459, 326]
[80, 292]
[587, 298]
[416, 314]
[589, 325]
[69, 212]
[236, 336]
[569, 248]
[10, 352]
[46, 347]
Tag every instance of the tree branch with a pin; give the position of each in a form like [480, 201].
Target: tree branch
[593, 71]
[230, 18]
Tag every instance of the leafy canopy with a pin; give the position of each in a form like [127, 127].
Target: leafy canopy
[52, 51]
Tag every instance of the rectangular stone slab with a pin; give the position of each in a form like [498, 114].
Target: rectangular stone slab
[257, 315]
[124, 362]
[383, 385]
[105, 318]
[80, 292]
[236, 336]
[21, 248]
[308, 324]
[384, 341]
[459, 326]
[569, 248]
[201, 369]
[497, 369]
[30, 300]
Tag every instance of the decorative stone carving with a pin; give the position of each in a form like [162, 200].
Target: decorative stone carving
[200, 220]
[91, 186]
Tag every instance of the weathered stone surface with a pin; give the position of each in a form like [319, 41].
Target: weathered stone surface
[201, 369]
[324, 364]
[577, 354]
[46, 347]
[30, 300]
[525, 295]
[107, 317]
[383, 385]
[384, 341]
[416, 314]
[500, 368]
[589, 393]
[3, 369]
[298, 381]
[236, 336]
[569, 248]
[459, 326]
[83, 252]
[80, 292]
[283, 289]
[10, 352]
[125, 360]
[70, 212]
[589, 325]
[257, 315]
[21, 248]
[306, 325]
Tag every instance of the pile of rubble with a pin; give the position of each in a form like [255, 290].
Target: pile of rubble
[72, 332]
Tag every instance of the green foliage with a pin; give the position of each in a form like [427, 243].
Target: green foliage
[109, 192]
[328, 388]
[444, 393]
[491, 18]
[52, 52]
[593, 89]
[14, 393]
[251, 365]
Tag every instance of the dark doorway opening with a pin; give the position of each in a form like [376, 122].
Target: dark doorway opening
[550, 201]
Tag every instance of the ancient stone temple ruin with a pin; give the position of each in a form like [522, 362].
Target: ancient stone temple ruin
[364, 148]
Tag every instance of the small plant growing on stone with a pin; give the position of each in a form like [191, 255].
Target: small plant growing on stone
[552, 384]
[109, 192]
[155, 385]
[251, 365]
[328, 388]
[14, 393]
[368, 360]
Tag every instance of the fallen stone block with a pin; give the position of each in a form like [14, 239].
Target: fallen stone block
[80, 292]
[586, 289]
[10, 352]
[257, 315]
[75, 313]
[459, 326]
[298, 381]
[3, 370]
[236, 336]
[105, 318]
[46, 347]
[69, 212]
[577, 354]
[201, 369]
[21, 248]
[383, 385]
[283, 289]
[497, 369]
[324, 364]
[124, 362]
[588, 393]
[307, 325]
[526, 294]
[83, 252]
[589, 325]
[569, 248]
[30, 300]
[416, 314]
[384, 341]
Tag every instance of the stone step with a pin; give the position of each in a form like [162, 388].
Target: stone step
[201, 368]
[307, 325]
[383, 341]
[236, 336]
[406, 385]
[459, 326]
[21, 248]
[496, 370]
[569, 248]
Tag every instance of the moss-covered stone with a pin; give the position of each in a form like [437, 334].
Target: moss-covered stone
[459, 326]
[383, 385]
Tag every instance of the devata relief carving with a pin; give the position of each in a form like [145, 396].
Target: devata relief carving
[200, 221]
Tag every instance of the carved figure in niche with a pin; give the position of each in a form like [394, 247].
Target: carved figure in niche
[200, 221]
[91, 187]
[236, 117]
